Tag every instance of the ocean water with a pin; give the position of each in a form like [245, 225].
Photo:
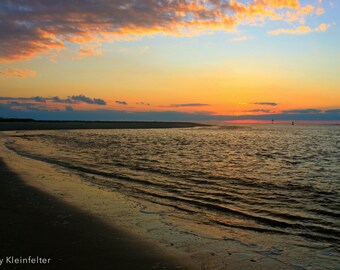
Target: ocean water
[275, 187]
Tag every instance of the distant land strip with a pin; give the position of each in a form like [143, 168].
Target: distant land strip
[10, 124]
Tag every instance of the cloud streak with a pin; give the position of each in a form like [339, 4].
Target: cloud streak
[82, 98]
[266, 103]
[32, 27]
[142, 103]
[189, 105]
[18, 73]
[258, 111]
[121, 102]
[70, 100]
[303, 111]
[301, 30]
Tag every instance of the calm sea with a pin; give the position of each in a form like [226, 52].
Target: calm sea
[257, 182]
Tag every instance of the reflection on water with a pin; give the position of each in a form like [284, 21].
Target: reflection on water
[277, 181]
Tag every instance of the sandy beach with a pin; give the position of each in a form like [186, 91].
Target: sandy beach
[43, 216]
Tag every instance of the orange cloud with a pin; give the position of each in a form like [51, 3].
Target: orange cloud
[322, 27]
[25, 43]
[35, 27]
[295, 31]
[320, 11]
[300, 13]
[18, 73]
[301, 30]
[84, 51]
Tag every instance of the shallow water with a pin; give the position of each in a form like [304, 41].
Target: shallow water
[272, 187]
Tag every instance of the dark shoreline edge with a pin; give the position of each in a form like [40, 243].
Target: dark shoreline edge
[30, 124]
[33, 224]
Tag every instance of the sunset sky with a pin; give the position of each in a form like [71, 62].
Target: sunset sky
[170, 60]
